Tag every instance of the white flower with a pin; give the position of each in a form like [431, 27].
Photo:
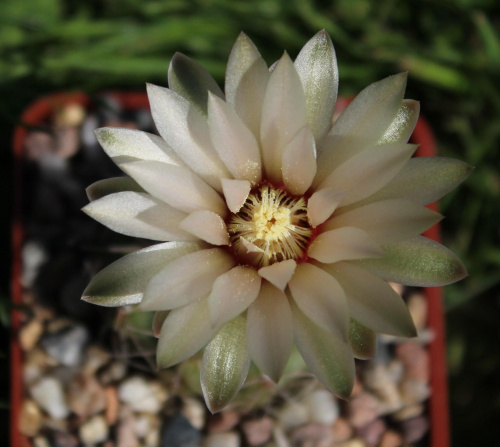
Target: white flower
[281, 228]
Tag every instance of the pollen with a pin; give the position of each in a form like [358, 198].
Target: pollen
[271, 226]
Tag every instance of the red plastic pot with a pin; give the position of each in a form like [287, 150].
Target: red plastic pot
[42, 110]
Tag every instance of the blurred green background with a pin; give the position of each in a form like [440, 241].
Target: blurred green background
[450, 48]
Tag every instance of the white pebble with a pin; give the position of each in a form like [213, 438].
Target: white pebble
[293, 414]
[194, 412]
[142, 396]
[228, 439]
[95, 430]
[323, 407]
[49, 394]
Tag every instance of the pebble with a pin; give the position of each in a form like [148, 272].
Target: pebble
[293, 414]
[195, 412]
[417, 305]
[228, 439]
[354, 442]
[408, 412]
[178, 432]
[342, 430]
[30, 418]
[415, 359]
[414, 429]
[145, 423]
[71, 115]
[322, 406]
[41, 441]
[66, 345]
[86, 396]
[372, 433]
[33, 255]
[95, 358]
[94, 430]
[49, 394]
[114, 372]
[30, 333]
[223, 421]
[391, 439]
[126, 435]
[257, 431]
[35, 364]
[378, 380]
[142, 395]
[314, 435]
[112, 405]
[63, 439]
[414, 391]
[363, 409]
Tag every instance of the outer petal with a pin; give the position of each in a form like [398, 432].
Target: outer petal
[108, 186]
[402, 127]
[417, 262]
[316, 65]
[177, 186]
[372, 301]
[234, 143]
[189, 79]
[225, 364]
[184, 332]
[363, 340]
[232, 293]
[279, 273]
[299, 162]
[362, 124]
[321, 298]
[139, 215]
[329, 357]
[124, 281]
[269, 331]
[235, 193]
[322, 204]
[186, 131]
[246, 81]
[207, 226]
[186, 279]
[343, 243]
[387, 221]
[283, 114]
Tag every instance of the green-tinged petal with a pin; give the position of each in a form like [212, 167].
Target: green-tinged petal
[402, 127]
[189, 79]
[316, 65]
[108, 186]
[363, 340]
[225, 364]
[158, 321]
[417, 262]
[330, 358]
[124, 281]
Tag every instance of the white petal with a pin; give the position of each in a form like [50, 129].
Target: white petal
[186, 131]
[207, 226]
[372, 301]
[246, 81]
[368, 171]
[139, 215]
[186, 279]
[299, 162]
[402, 127]
[321, 298]
[124, 281]
[343, 243]
[322, 204]
[112, 185]
[177, 186]
[234, 143]
[283, 114]
[184, 332]
[269, 331]
[126, 145]
[279, 273]
[232, 293]
[316, 65]
[235, 193]
[362, 340]
[362, 124]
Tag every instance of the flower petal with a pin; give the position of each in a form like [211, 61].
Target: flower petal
[316, 65]
[405, 121]
[279, 273]
[235, 193]
[186, 131]
[139, 215]
[185, 331]
[299, 162]
[369, 170]
[269, 331]
[322, 204]
[321, 298]
[177, 186]
[362, 340]
[225, 365]
[417, 262]
[109, 186]
[207, 226]
[387, 221]
[234, 143]
[329, 357]
[192, 81]
[124, 281]
[343, 243]
[283, 114]
[362, 124]
[186, 279]
[232, 293]
[158, 320]
[372, 301]
[246, 81]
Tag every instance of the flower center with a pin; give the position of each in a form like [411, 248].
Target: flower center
[271, 226]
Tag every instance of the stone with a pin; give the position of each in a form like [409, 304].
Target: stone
[391, 439]
[228, 439]
[178, 432]
[152, 439]
[363, 409]
[86, 396]
[408, 412]
[144, 424]
[30, 418]
[293, 414]
[34, 255]
[112, 405]
[49, 394]
[372, 433]
[71, 115]
[415, 359]
[396, 370]
[114, 372]
[194, 411]
[257, 431]
[142, 395]
[94, 430]
[63, 439]
[322, 406]
[414, 391]
[35, 365]
[313, 435]
[95, 358]
[40, 441]
[223, 421]
[417, 305]
[126, 435]
[379, 381]
[30, 333]
[341, 430]
[67, 344]
[354, 442]
[414, 429]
